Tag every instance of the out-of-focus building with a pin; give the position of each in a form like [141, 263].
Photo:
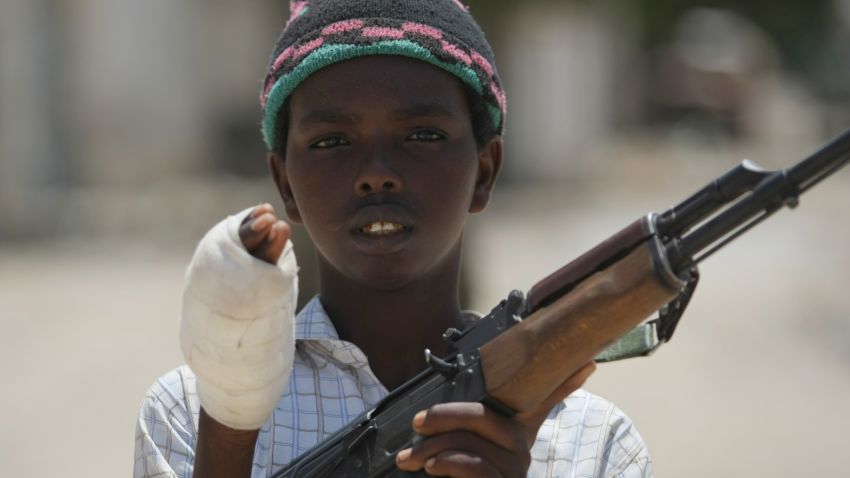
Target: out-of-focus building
[116, 115]
[572, 73]
[118, 96]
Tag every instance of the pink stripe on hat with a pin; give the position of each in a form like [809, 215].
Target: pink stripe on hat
[284, 55]
[342, 27]
[483, 63]
[456, 52]
[296, 8]
[423, 30]
[307, 48]
[383, 32]
[500, 96]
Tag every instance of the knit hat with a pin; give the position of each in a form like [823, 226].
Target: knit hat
[323, 32]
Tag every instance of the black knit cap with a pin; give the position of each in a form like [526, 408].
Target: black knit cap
[323, 32]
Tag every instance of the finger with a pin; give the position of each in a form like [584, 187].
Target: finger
[473, 417]
[271, 249]
[262, 209]
[262, 222]
[254, 232]
[258, 211]
[459, 464]
[276, 241]
[510, 463]
[533, 418]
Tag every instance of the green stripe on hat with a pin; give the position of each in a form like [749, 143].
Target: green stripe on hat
[329, 54]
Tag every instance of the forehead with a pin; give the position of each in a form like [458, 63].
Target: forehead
[374, 81]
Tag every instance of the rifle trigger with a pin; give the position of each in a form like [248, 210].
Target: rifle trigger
[446, 369]
[365, 434]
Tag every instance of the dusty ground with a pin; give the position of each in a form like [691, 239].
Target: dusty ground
[755, 383]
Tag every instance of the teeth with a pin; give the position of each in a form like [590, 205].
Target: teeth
[382, 227]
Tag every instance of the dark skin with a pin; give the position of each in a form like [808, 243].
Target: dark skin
[382, 169]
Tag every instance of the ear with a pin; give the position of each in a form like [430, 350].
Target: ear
[277, 169]
[489, 165]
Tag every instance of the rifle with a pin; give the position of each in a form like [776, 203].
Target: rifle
[592, 308]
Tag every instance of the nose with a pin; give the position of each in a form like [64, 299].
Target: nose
[377, 176]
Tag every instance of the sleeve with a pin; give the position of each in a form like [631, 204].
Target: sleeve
[627, 454]
[166, 429]
[587, 436]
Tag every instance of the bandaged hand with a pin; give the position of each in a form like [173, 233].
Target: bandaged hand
[238, 316]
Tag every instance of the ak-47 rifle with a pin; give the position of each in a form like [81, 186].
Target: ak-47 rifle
[514, 357]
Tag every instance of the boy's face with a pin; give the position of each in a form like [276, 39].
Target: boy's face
[382, 168]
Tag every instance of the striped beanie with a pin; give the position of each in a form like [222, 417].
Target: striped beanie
[323, 32]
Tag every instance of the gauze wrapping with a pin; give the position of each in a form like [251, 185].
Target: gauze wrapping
[237, 331]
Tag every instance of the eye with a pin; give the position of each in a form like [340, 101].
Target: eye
[426, 135]
[329, 142]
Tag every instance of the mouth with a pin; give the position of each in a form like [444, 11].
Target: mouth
[383, 228]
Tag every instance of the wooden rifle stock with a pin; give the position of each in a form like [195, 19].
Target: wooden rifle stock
[524, 365]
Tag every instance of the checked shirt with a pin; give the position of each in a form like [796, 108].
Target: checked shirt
[332, 384]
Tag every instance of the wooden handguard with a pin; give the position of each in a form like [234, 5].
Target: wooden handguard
[524, 365]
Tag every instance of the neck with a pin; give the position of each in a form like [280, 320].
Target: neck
[394, 327]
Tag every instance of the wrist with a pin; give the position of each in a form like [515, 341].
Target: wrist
[223, 451]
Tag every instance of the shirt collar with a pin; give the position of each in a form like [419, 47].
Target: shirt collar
[314, 329]
[313, 323]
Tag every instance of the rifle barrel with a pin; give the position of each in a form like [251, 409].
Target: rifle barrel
[825, 161]
[768, 196]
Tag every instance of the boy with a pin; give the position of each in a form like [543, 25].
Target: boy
[383, 120]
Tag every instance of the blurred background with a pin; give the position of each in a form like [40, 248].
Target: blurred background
[128, 128]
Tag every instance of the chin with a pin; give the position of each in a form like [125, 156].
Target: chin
[383, 278]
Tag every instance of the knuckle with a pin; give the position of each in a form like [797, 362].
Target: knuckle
[457, 463]
[437, 444]
[524, 460]
[423, 449]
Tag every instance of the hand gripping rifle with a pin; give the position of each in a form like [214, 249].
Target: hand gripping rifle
[514, 357]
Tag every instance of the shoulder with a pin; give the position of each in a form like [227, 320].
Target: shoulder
[166, 428]
[175, 394]
[586, 435]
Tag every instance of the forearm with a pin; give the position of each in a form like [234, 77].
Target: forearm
[222, 451]
[237, 335]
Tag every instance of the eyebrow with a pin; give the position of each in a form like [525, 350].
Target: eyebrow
[331, 115]
[424, 110]
[342, 116]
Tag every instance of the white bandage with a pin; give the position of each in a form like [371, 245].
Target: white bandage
[237, 331]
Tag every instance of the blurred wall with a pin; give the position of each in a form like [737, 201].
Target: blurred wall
[117, 96]
[30, 159]
[111, 106]
[561, 65]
